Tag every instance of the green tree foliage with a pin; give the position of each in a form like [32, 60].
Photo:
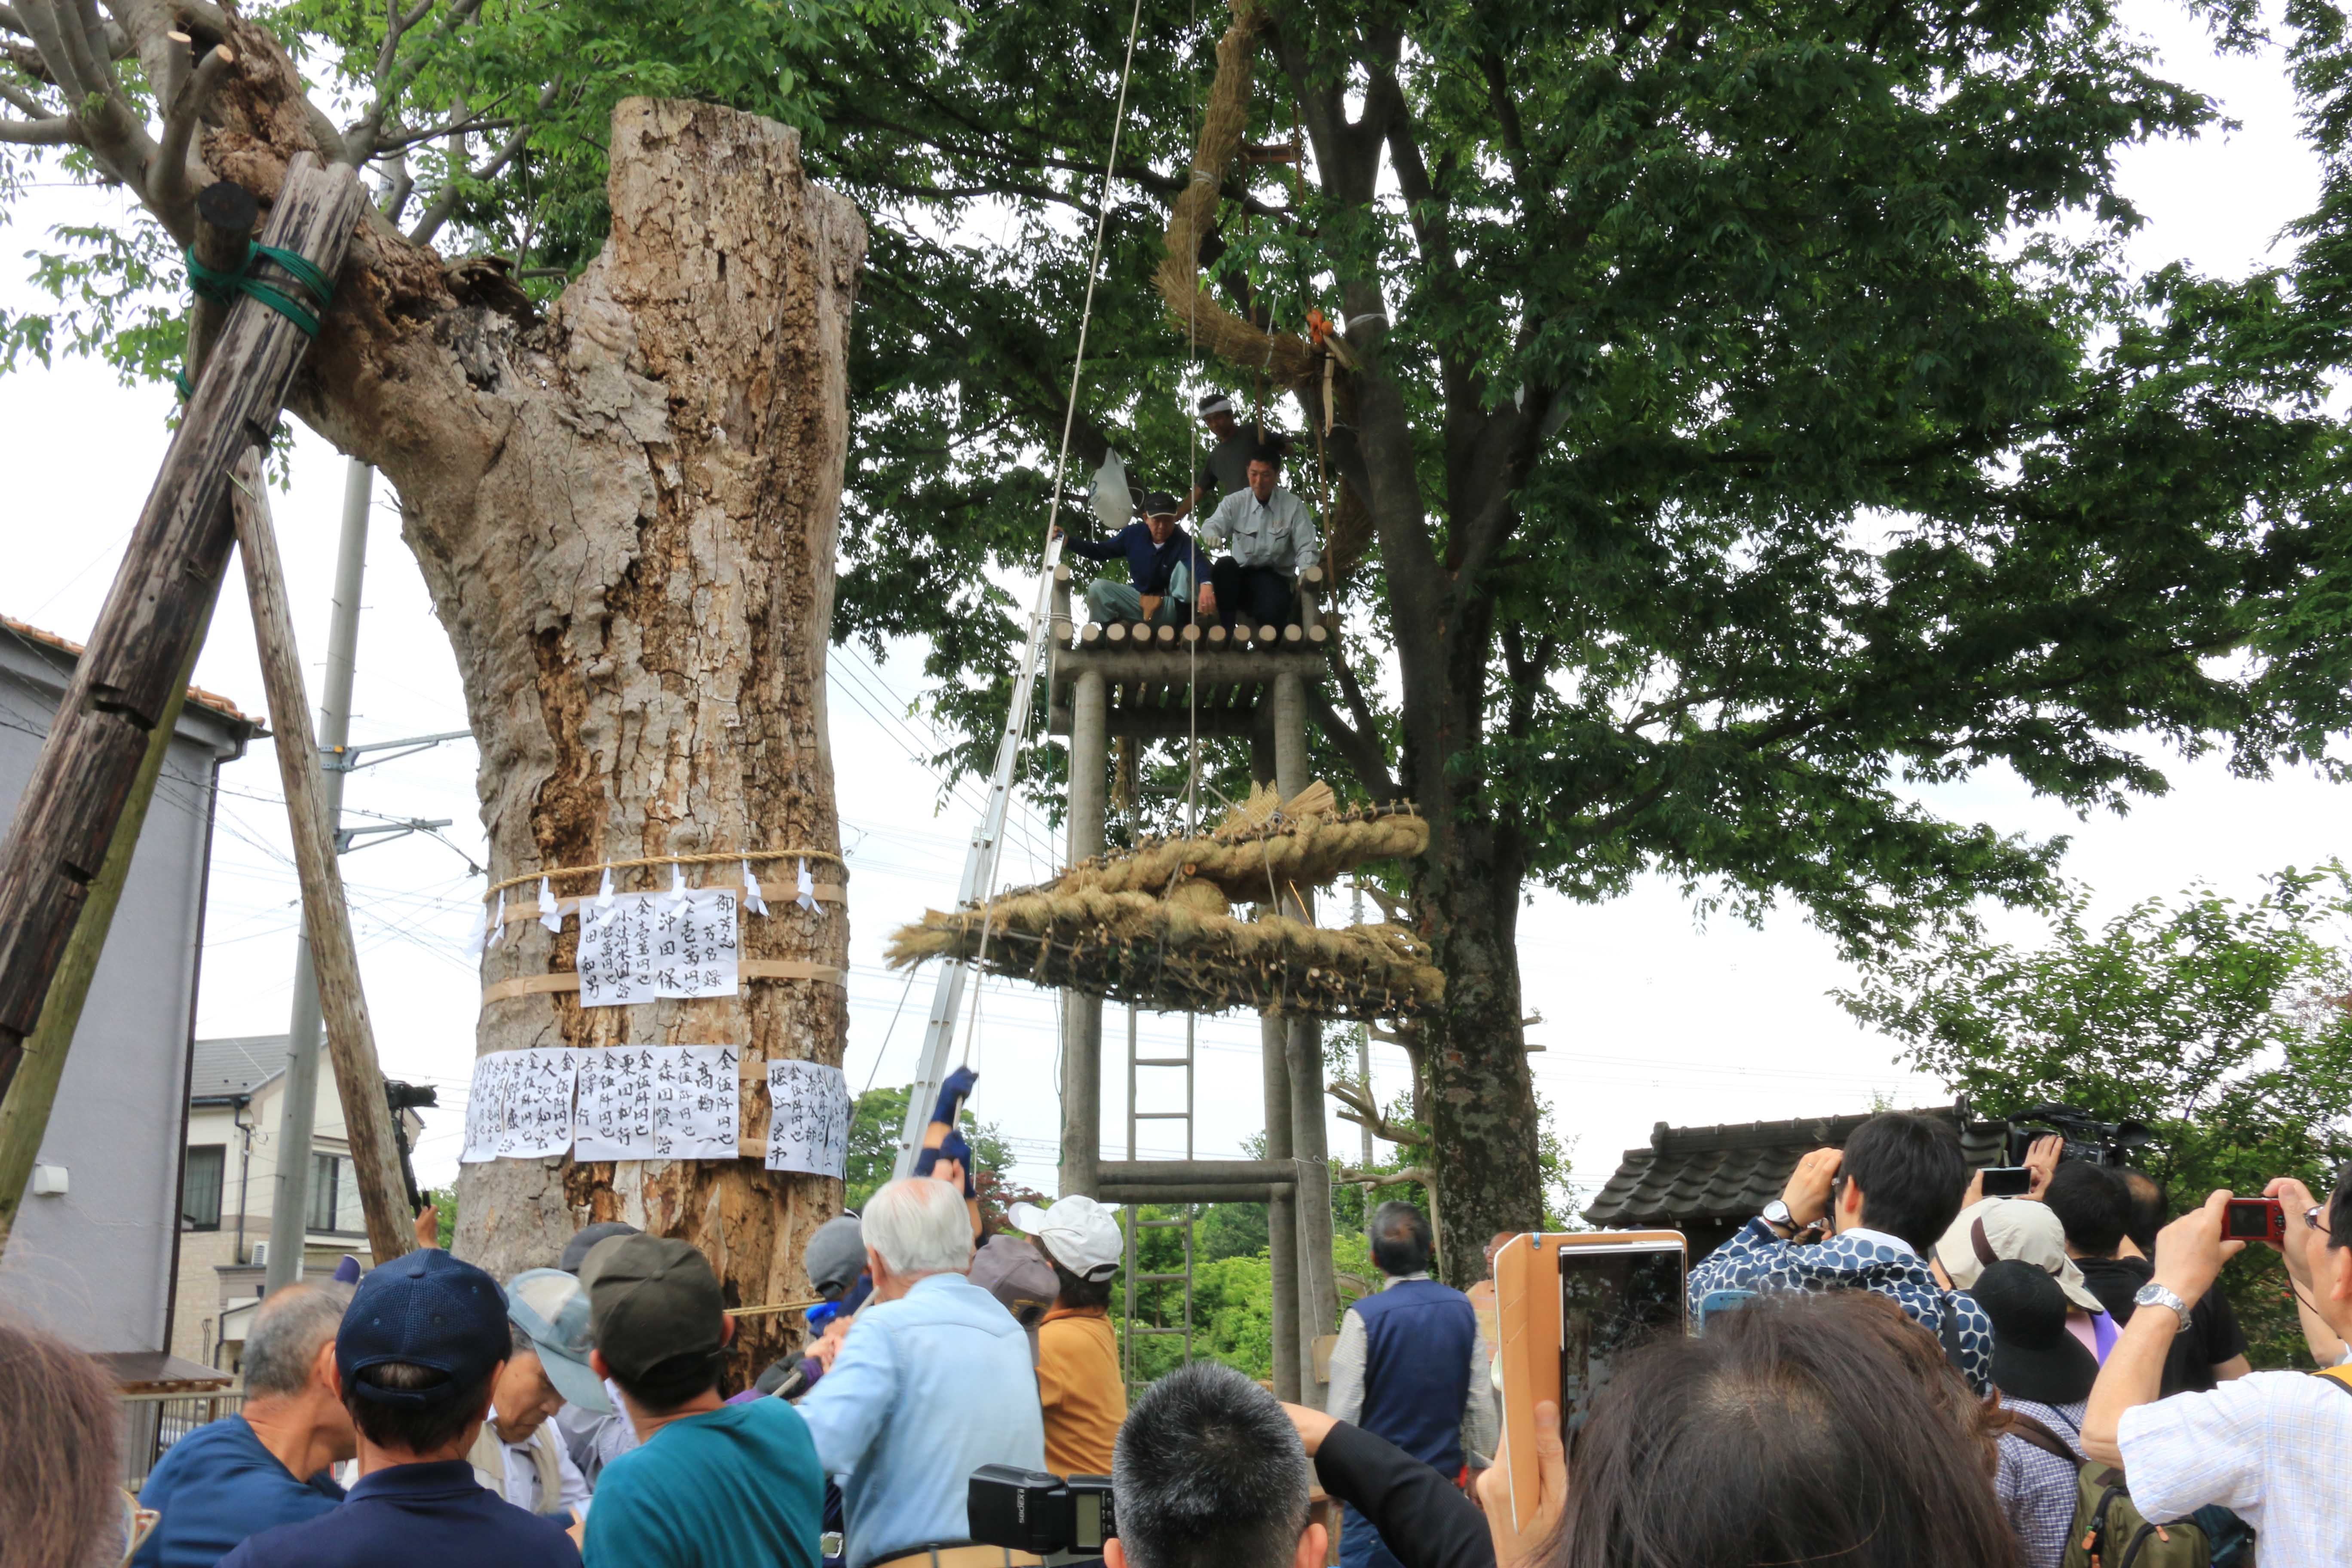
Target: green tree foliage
[2226, 1026]
[875, 1119]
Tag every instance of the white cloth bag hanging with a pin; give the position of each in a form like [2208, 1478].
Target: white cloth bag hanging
[1114, 504]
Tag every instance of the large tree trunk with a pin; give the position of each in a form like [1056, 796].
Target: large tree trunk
[1478, 1097]
[627, 515]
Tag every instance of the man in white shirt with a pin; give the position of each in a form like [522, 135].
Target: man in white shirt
[2272, 1445]
[518, 1454]
[1269, 539]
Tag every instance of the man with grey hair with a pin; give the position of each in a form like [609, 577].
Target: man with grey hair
[1210, 1474]
[269, 1462]
[932, 1383]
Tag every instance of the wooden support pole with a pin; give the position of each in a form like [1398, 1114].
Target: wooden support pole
[326, 916]
[25, 1117]
[1082, 1014]
[122, 690]
[223, 230]
[1319, 1290]
[225, 214]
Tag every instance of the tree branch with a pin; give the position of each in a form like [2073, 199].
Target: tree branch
[60, 131]
[1359, 741]
[22, 101]
[394, 75]
[109, 127]
[171, 190]
[1364, 1113]
[447, 202]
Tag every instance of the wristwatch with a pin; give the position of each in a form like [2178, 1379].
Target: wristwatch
[1776, 1214]
[2155, 1295]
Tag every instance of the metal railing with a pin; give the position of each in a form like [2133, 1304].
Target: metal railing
[151, 1422]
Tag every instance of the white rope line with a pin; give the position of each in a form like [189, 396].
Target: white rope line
[1062, 458]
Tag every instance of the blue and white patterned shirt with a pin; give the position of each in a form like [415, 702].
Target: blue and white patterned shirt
[1756, 1258]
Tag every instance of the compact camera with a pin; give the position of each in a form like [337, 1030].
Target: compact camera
[1031, 1510]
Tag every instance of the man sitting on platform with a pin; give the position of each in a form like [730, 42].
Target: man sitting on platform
[1159, 562]
[1271, 539]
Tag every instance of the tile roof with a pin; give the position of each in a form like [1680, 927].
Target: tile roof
[209, 700]
[1725, 1173]
[223, 1070]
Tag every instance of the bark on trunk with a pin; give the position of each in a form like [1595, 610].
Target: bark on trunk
[1479, 1097]
[626, 514]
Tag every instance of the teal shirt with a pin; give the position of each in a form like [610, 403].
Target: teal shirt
[737, 1486]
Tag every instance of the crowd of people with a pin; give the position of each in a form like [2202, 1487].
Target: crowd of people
[1893, 1370]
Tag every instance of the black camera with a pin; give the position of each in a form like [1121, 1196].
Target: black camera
[1030, 1511]
[2087, 1138]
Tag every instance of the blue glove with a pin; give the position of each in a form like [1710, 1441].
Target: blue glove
[952, 1095]
[951, 1147]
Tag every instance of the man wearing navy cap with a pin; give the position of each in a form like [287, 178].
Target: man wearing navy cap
[416, 1361]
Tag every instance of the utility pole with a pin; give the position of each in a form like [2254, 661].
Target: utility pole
[290, 1190]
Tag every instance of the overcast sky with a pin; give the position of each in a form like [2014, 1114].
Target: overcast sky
[1648, 1017]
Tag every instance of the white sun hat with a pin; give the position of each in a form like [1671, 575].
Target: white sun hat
[1078, 1233]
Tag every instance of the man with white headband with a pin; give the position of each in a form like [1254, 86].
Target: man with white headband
[1078, 1381]
[1225, 469]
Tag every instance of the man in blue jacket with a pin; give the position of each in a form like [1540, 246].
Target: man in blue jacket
[1411, 1367]
[1161, 568]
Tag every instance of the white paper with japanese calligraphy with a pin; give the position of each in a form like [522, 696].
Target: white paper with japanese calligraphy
[519, 1105]
[808, 1119]
[659, 1102]
[658, 944]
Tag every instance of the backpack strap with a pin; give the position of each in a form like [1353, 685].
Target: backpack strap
[2033, 1431]
[2341, 1376]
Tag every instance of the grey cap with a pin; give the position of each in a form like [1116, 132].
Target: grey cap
[836, 1256]
[551, 1306]
[1011, 1269]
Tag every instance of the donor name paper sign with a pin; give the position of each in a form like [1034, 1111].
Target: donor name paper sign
[519, 1105]
[648, 945]
[659, 1102]
[808, 1119]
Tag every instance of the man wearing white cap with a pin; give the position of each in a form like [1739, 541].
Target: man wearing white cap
[1078, 1381]
[1225, 469]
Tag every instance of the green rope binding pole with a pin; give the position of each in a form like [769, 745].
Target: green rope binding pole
[222, 288]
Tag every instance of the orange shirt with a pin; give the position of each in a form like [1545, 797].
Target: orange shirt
[1079, 1386]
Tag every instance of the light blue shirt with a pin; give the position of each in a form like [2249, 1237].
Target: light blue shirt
[1277, 533]
[925, 1390]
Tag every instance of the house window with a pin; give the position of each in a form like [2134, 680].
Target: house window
[327, 1176]
[200, 1186]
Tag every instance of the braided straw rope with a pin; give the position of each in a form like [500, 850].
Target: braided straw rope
[727, 858]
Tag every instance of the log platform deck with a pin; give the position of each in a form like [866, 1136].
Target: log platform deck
[1148, 670]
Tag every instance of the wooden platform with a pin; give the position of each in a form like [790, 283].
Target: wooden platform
[1151, 670]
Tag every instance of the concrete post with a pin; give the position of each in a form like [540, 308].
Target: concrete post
[1082, 1014]
[1309, 1145]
